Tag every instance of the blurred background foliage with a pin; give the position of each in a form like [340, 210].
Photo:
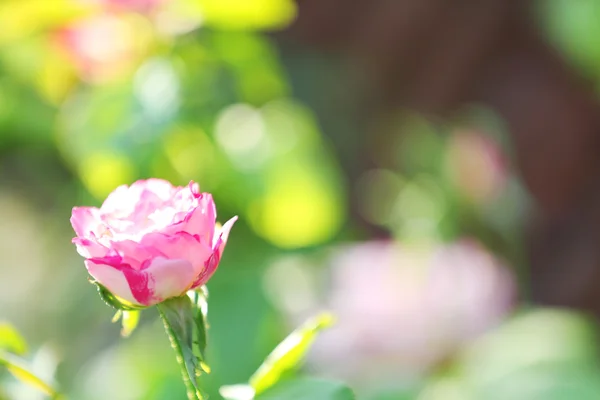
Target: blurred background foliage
[421, 256]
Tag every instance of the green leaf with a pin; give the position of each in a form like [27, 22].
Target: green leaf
[184, 323]
[11, 340]
[200, 302]
[308, 389]
[114, 301]
[17, 367]
[289, 353]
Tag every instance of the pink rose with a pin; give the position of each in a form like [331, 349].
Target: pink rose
[151, 241]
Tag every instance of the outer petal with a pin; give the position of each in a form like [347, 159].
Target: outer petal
[182, 246]
[120, 200]
[169, 278]
[138, 280]
[223, 234]
[85, 220]
[212, 263]
[112, 278]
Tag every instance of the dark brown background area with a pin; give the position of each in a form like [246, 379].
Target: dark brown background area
[434, 56]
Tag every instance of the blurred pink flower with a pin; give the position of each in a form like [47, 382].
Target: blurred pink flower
[151, 241]
[404, 310]
[139, 6]
[134, 5]
[101, 47]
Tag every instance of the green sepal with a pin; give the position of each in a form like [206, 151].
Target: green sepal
[114, 301]
[199, 300]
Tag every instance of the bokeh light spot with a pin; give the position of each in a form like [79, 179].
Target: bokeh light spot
[241, 133]
[103, 171]
[298, 210]
[248, 14]
[192, 154]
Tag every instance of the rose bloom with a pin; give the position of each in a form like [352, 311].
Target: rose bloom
[151, 241]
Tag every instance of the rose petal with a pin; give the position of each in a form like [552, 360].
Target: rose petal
[85, 220]
[131, 203]
[194, 189]
[119, 201]
[134, 253]
[223, 233]
[198, 221]
[159, 187]
[182, 246]
[210, 266]
[169, 278]
[89, 248]
[113, 279]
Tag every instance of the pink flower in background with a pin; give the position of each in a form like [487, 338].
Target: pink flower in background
[151, 241]
[140, 6]
[101, 47]
[136, 5]
[404, 310]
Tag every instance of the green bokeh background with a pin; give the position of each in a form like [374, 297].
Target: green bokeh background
[203, 90]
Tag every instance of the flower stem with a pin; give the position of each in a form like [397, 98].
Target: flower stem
[192, 393]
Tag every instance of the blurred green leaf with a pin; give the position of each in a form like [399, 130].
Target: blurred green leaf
[18, 369]
[548, 382]
[187, 334]
[308, 389]
[574, 28]
[521, 361]
[11, 340]
[254, 62]
[289, 353]
[248, 14]
[21, 18]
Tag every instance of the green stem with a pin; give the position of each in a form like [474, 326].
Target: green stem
[192, 393]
